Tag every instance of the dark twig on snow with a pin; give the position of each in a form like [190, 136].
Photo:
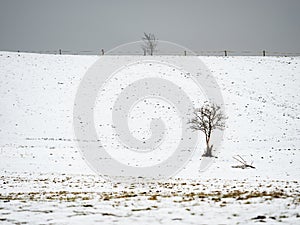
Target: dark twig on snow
[243, 162]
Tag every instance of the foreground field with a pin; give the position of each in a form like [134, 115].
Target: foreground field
[77, 199]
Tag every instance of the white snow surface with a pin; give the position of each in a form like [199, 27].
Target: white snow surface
[39, 156]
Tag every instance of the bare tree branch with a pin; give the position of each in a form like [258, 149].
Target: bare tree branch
[243, 162]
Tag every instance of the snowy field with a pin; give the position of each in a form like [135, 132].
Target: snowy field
[44, 179]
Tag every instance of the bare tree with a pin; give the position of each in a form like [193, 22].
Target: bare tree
[150, 43]
[206, 119]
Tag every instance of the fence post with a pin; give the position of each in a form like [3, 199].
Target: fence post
[60, 51]
[264, 52]
[225, 53]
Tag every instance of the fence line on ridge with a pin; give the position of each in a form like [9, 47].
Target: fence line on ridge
[183, 53]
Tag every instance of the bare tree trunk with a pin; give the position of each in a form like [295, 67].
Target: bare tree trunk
[208, 152]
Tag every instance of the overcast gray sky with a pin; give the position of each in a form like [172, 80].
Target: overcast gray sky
[38, 25]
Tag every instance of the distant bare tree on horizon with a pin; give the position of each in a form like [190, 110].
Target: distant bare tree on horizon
[150, 43]
[208, 118]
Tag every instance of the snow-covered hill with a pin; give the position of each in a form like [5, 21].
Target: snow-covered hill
[40, 159]
[261, 99]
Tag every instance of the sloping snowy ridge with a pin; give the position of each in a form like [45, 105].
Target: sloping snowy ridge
[260, 93]
[45, 180]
